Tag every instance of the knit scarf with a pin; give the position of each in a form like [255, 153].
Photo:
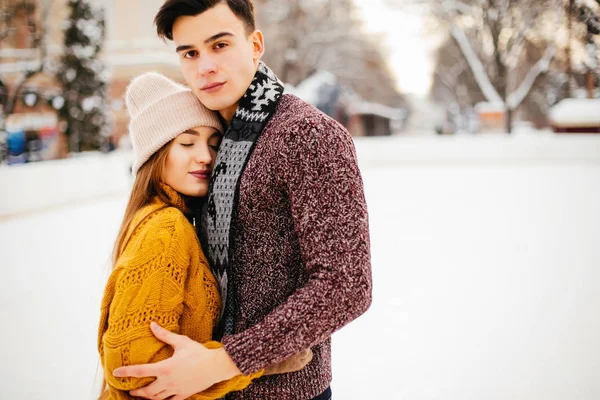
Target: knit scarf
[219, 213]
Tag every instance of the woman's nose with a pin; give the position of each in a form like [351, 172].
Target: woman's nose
[203, 155]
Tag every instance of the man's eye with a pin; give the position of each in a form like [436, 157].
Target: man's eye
[190, 54]
[220, 45]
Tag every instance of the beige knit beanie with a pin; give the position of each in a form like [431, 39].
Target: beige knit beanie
[161, 109]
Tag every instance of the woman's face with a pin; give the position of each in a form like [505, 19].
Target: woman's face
[190, 160]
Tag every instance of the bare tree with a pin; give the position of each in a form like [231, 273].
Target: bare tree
[587, 16]
[453, 84]
[493, 37]
[307, 35]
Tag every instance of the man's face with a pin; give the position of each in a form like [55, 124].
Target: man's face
[217, 57]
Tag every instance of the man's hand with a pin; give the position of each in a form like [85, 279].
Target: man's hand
[192, 368]
[291, 364]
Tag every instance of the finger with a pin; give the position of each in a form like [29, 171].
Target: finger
[162, 395]
[304, 353]
[303, 357]
[137, 371]
[153, 391]
[166, 336]
[304, 360]
[309, 356]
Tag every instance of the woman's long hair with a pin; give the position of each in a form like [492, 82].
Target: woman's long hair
[145, 187]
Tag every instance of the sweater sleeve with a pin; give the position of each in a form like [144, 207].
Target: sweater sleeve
[148, 284]
[318, 170]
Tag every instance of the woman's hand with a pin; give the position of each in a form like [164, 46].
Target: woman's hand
[291, 364]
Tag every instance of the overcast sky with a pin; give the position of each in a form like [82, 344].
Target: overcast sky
[404, 41]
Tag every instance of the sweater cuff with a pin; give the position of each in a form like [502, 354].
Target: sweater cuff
[245, 354]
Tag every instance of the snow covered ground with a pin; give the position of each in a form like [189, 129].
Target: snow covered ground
[486, 270]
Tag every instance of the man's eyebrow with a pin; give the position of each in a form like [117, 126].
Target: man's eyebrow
[183, 47]
[218, 36]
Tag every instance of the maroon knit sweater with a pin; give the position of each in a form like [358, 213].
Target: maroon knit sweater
[301, 256]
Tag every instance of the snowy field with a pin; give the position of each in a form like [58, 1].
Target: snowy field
[486, 267]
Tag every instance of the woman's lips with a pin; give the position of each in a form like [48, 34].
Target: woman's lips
[200, 174]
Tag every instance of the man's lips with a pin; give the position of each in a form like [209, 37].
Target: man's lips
[201, 174]
[212, 87]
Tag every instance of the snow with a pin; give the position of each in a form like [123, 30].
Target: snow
[83, 52]
[91, 28]
[86, 177]
[576, 113]
[485, 266]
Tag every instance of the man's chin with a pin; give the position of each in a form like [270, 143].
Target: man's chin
[213, 104]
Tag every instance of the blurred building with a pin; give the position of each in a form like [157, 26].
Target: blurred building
[131, 47]
[30, 94]
[492, 117]
[323, 90]
[576, 116]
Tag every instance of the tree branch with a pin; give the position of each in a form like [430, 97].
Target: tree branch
[458, 7]
[479, 73]
[517, 97]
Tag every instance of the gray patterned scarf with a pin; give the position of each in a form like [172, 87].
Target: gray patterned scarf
[218, 217]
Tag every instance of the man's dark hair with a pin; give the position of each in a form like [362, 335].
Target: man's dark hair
[173, 9]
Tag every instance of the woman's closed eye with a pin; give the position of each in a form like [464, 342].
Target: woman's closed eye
[215, 142]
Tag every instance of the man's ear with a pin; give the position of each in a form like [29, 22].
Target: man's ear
[258, 43]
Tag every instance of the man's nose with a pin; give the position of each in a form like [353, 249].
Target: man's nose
[206, 65]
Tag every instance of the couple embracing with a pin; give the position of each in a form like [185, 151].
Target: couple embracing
[245, 241]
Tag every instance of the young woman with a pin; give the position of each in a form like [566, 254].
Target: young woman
[160, 273]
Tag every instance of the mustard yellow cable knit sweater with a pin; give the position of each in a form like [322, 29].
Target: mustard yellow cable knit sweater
[163, 276]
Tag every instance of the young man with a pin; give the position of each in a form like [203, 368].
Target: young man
[285, 224]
